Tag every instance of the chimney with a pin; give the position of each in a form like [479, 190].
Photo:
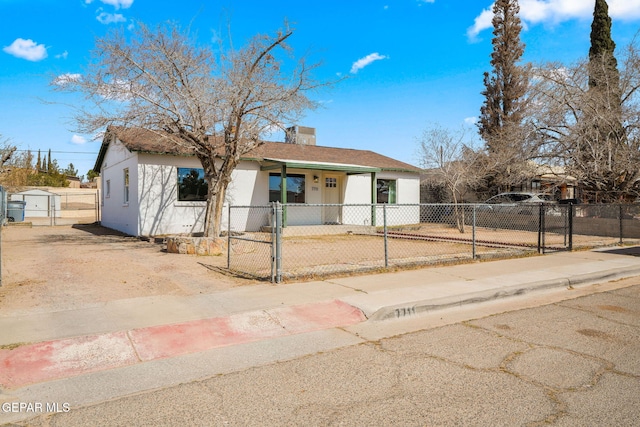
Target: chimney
[300, 135]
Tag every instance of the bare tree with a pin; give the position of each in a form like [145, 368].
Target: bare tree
[450, 158]
[218, 103]
[6, 151]
[580, 128]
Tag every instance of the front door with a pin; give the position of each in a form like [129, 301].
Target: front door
[332, 189]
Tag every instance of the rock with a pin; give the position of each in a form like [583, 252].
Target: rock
[196, 245]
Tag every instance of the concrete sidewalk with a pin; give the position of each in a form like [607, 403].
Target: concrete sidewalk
[45, 346]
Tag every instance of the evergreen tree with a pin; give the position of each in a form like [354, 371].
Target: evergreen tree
[600, 149]
[70, 170]
[602, 47]
[49, 163]
[502, 112]
[38, 162]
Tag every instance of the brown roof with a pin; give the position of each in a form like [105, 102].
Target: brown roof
[146, 141]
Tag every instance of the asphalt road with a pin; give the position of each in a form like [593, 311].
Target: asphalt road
[570, 363]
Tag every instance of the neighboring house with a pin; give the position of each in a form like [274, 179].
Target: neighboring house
[74, 181]
[152, 186]
[555, 181]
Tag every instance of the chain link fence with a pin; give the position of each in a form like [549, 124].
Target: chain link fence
[250, 241]
[279, 242]
[54, 208]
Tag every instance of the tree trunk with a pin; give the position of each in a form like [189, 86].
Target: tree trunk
[217, 180]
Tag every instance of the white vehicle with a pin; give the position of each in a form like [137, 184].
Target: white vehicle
[520, 203]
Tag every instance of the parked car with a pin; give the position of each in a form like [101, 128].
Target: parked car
[519, 202]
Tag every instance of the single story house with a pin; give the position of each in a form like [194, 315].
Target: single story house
[151, 186]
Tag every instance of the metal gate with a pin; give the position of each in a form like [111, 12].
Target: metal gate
[253, 242]
[555, 223]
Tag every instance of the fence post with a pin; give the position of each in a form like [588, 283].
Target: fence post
[1, 228]
[384, 226]
[540, 215]
[278, 242]
[570, 227]
[229, 237]
[473, 233]
[621, 215]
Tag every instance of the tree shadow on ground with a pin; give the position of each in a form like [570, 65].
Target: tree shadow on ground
[632, 251]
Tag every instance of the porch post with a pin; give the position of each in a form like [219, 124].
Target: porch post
[283, 193]
[374, 198]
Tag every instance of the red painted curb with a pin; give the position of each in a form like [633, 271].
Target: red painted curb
[50, 360]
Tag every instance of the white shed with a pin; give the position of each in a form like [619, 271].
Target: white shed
[40, 203]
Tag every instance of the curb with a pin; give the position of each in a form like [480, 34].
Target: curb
[414, 308]
[63, 358]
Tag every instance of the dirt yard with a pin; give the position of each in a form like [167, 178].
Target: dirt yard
[67, 267]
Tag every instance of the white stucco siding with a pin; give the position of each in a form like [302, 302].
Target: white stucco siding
[406, 209]
[116, 213]
[303, 214]
[358, 191]
[162, 213]
[249, 186]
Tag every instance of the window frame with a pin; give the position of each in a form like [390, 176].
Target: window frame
[392, 192]
[205, 185]
[126, 188]
[289, 175]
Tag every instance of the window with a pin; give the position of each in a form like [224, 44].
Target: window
[386, 191]
[107, 190]
[191, 185]
[331, 182]
[126, 185]
[295, 188]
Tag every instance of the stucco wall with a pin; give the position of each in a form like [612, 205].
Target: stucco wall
[116, 213]
[154, 209]
[358, 191]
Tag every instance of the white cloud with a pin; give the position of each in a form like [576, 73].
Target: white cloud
[64, 79]
[363, 62]
[124, 4]
[63, 55]
[27, 49]
[471, 120]
[481, 22]
[78, 140]
[556, 11]
[426, 1]
[110, 18]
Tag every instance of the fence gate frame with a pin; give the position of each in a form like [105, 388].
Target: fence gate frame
[275, 224]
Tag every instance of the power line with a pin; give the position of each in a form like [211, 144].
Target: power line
[63, 152]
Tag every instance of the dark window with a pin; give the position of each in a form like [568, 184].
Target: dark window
[295, 188]
[386, 191]
[191, 185]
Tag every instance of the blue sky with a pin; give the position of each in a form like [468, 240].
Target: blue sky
[411, 63]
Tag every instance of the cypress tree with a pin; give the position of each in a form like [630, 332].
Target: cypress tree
[38, 162]
[602, 46]
[502, 112]
[600, 150]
